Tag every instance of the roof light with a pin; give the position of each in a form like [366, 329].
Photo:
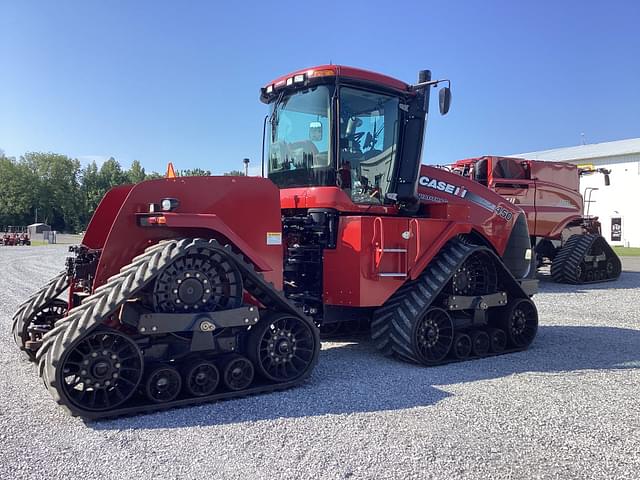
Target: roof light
[270, 89]
[298, 78]
[289, 81]
[325, 72]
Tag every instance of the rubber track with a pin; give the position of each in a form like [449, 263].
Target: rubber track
[35, 303]
[571, 255]
[107, 298]
[392, 324]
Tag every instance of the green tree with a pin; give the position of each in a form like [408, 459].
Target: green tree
[194, 172]
[136, 173]
[234, 173]
[55, 181]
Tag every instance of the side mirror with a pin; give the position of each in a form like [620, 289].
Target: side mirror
[315, 131]
[607, 181]
[445, 100]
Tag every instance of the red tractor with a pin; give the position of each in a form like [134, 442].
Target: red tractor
[549, 193]
[194, 289]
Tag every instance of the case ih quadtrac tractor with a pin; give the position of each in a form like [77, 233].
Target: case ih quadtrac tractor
[193, 289]
[549, 194]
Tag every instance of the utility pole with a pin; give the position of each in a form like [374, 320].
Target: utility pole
[246, 166]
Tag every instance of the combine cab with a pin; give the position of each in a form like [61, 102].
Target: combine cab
[561, 233]
[194, 289]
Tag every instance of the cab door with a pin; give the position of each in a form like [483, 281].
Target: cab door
[511, 179]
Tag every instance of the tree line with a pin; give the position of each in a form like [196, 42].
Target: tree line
[60, 191]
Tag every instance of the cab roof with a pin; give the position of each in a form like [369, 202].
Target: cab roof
[343, 71]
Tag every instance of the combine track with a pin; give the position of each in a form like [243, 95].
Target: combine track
[586, 259]
[88, 317]
[396, 324]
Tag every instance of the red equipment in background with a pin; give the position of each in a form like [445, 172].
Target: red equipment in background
[14, 236]
[549, 193]
[195, 289]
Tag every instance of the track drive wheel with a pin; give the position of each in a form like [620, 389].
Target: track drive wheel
[101, 372]
[520, 321]
[433, 336]
[283, 347]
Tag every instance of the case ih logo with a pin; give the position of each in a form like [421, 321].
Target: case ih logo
[443, 186]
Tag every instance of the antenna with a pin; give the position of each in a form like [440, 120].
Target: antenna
[584, 141]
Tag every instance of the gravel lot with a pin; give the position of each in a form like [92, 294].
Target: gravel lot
[567, 408]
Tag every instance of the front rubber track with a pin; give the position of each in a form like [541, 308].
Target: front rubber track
[107, 298]
[393, 323]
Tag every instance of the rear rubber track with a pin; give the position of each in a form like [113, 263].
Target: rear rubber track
[392, 324]
[106, 299]
[35, 303]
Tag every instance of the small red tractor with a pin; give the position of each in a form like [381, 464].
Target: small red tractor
[15, 236]
[549, 193]
[193, 289]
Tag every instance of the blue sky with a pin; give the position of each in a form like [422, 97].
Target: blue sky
[162, 81]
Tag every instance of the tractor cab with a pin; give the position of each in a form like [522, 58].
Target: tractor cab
[353, 132]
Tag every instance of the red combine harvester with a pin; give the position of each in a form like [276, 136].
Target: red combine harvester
[549, 194]
[193, 289]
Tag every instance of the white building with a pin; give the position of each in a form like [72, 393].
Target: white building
[617, 204]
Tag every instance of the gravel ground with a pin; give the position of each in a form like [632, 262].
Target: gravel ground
[566, 408]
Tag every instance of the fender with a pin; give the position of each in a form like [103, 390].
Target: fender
[243, 211]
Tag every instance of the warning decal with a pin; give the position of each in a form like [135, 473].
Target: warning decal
[274, 238]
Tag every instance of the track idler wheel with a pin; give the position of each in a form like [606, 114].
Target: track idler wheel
[101, 372]
[238, 373]
[283, 347]
[480, 343]
[201, 379]
[520, 321]
[163, 384]
[498, 340]
[433, 336]
[461, 346]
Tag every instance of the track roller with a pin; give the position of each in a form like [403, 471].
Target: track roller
[498, 340]
[461, 348]
[163, 384]
[480, 343]
[238, 373]
[201, 378]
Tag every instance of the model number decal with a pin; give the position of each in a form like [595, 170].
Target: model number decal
[504, 213]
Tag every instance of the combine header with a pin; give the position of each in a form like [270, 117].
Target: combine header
[549, 193]
[194, 289]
